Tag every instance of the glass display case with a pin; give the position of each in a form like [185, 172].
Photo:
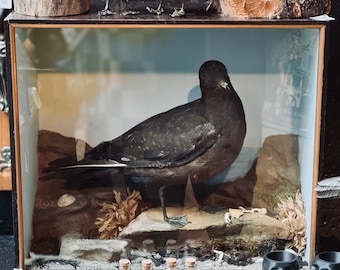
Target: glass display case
[82, 80]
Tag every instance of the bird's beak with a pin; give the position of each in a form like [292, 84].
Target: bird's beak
[224, 84]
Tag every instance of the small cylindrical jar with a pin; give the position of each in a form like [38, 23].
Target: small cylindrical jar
[124, 264]
[171, 263]
[146, 264]
[190, 263]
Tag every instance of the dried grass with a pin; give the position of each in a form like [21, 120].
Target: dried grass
[117, 215]
[292, 213]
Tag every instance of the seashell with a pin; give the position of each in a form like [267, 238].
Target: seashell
[262, 211]
[235, 213]
[66, 200]
[227, 218]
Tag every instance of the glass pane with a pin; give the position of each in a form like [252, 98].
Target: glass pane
[79, 87]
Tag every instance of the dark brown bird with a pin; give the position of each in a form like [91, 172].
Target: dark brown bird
[198, 140]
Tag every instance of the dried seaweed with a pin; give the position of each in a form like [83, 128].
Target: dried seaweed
[117, 215]
[292, 213]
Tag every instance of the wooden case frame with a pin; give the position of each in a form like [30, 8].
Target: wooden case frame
[92, 21]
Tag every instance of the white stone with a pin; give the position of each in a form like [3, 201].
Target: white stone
[91, 249]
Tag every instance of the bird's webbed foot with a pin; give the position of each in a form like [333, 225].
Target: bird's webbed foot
[177, 221]
[157, 11]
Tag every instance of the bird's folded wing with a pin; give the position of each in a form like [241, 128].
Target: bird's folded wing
[157, 151]
[169, 139]
[179, 149]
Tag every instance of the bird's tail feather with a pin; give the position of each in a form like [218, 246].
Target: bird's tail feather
[68, 168]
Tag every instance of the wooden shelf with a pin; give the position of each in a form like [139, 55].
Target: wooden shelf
[92, 19]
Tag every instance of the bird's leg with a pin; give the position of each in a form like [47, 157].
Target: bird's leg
[106, 10]
[161, 198]
[159, 9]
[178, 12]
[175, 221]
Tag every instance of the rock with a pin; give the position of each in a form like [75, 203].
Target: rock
[277, 171]
[52, 145]
[91, 249]
[152, 220]
[251, 231]
[50, 221]
[232, 194]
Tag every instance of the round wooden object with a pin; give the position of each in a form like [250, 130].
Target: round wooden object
[51, 8]
[171, 263]
[146, 264]
[190, 262]
[124, 264]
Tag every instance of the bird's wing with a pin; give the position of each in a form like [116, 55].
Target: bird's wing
[169, 139]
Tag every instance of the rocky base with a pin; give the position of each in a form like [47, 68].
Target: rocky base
[207, 231]
[61, 210]
[206, 237]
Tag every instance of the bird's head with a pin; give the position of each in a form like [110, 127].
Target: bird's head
[213, 75]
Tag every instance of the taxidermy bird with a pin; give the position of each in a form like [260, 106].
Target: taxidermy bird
[197, 140]
[328, 188]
